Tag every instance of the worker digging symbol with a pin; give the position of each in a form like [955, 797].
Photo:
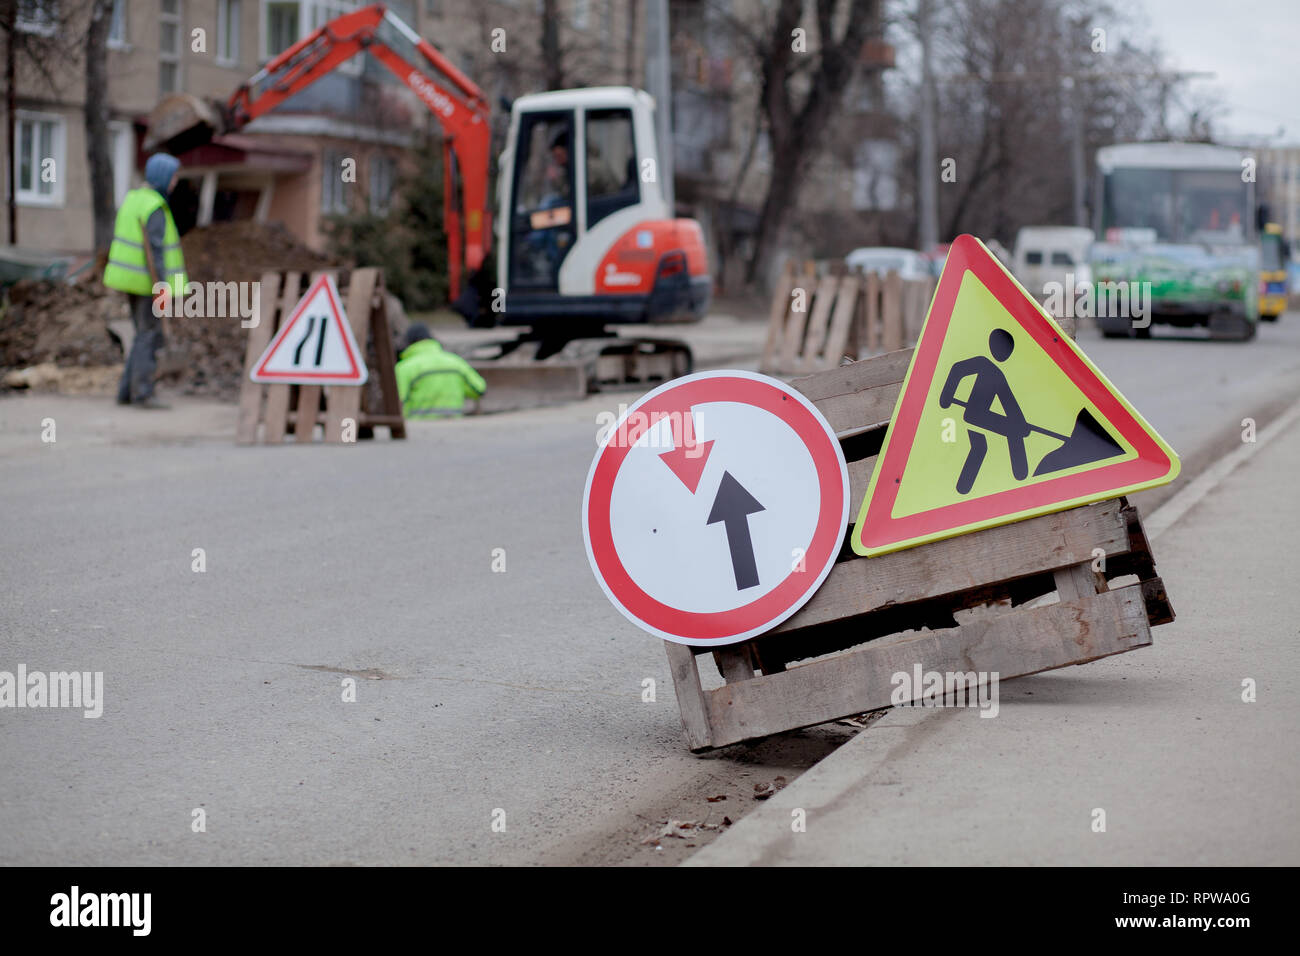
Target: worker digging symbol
[1088, 442]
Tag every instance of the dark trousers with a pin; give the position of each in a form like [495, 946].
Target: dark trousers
[141, 364]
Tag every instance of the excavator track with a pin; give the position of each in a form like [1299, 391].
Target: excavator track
[528, 372]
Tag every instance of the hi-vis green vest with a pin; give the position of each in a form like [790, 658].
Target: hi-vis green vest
[128, 269]
[434, 383]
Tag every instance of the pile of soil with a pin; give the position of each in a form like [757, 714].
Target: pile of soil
[67, 324]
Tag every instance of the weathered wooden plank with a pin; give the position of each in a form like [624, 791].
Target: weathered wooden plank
[277, 396]
[964, 563]
[734, 662]
[891, 313]
[920, 292]
[859, 478]
[797, 324]
[871, 298]
[814, 340]
[259, 336]
[1020, 642]
[859, 395]
[690, 695]
[304, 423]
[776, 318]
[847, 305]
[1075, 582]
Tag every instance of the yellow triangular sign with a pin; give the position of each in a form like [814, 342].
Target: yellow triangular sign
[1001, 417]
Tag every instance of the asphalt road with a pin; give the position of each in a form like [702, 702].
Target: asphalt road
[477, 691]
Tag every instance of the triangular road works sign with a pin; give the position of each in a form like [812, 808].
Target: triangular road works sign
[1001, 418]
[315, 345]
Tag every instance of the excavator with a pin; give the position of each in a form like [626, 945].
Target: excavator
[583, 241]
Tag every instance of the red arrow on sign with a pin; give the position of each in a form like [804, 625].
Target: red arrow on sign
[688, 457]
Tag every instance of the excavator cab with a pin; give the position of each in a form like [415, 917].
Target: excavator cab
[584, 234]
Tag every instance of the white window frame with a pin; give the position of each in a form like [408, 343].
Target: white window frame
[166, 56]
[311, 15]
[58, 149]
[44, 24]
[336, 195]
[228, 51]
[120, 144]
[380, 206]
[119, 16]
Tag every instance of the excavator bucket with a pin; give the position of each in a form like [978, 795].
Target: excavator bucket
[180, 122]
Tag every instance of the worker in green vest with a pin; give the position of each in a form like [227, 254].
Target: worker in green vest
[145, 262]
[434, 383]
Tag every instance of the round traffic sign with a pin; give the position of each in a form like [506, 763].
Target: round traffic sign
[715, 507]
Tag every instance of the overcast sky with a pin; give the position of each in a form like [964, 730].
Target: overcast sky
[1254, 48]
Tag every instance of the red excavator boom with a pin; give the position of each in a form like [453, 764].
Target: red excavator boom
[453, 98]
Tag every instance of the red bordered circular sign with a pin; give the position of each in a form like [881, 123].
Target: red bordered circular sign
[715, 507]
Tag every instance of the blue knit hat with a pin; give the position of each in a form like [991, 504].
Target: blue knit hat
[160, 169]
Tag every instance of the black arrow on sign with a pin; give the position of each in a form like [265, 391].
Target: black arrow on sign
[733, 505]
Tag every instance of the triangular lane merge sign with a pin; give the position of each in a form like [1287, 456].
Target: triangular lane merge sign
[1001, 417]
[315, 345]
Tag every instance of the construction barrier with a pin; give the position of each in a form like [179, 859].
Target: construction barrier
[822, 317]
[981, 602]
[270, 412]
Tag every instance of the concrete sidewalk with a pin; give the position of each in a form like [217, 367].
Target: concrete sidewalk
[1160, 739]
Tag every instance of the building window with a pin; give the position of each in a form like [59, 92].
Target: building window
[381, 184]
[288, 21]
[581, 14]
[37, 16]
[117, 28]
[169, 46]
[335, 194]
[121, 148]
[38, 158]
[228, 32]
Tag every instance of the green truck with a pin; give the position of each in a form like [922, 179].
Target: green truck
[1176, 240]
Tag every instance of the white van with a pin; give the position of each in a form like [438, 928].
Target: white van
[1056, 254]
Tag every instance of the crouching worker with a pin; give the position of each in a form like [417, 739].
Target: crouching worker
[434, 383]
[145, 262]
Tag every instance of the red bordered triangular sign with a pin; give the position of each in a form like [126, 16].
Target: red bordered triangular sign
[1001, 417]
[314, 345]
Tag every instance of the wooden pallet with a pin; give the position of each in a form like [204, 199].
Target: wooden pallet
[843, 312]
[978, 602]
[269, 413]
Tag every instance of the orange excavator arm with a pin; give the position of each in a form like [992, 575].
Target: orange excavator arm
[455, 101]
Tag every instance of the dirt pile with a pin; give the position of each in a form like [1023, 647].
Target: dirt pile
[68, 325]
[242, 251]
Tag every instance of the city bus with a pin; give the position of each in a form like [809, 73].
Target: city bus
[1175, 222]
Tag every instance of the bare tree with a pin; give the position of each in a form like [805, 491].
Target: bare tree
[552, 53]
[99, 162]
[800, 93]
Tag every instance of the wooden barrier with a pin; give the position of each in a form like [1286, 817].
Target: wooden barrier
[818, 321]
[977, 602]
[341, 410]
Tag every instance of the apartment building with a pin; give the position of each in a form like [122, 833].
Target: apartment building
[281, 166]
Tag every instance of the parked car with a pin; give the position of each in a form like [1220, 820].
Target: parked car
[908, 263]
